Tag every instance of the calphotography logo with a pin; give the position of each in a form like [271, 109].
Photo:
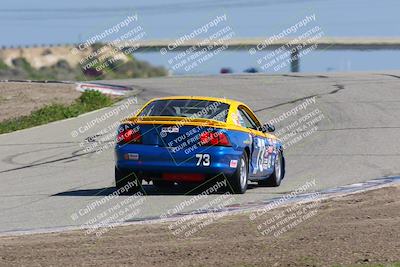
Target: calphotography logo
[208, 208]
[212, 38]
[112, 113]
[110, 49]
[291, 50]
[295, 210]
[100, 216]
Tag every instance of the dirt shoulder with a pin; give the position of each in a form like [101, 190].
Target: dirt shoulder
[356, 229]
[18, 99]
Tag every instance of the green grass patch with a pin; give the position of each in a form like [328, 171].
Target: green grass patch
[88, 101]
[3, 65]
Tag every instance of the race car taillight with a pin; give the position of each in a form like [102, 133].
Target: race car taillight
[214, 139]
[130, 136]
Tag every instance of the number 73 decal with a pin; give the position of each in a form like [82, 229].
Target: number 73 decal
[203, 159]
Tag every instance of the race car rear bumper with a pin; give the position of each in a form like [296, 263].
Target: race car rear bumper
[156, 161]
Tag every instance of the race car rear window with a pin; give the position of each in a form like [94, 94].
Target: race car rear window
[192, 108]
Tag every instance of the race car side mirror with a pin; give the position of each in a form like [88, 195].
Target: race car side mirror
[268, 128]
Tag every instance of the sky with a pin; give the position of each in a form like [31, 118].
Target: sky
[55, 22]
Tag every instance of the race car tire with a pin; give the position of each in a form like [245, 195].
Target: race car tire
[163, 184]
[237, 183]
[276, 177]
[127, 182]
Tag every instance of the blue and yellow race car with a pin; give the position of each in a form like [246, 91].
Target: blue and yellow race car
[189, 139]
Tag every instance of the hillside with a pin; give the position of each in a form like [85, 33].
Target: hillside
[60, 63]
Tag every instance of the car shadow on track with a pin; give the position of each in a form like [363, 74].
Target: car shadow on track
[147, 190]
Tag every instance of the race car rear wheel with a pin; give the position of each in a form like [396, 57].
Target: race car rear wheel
[127, 182]
[276, 177]
[238, 181]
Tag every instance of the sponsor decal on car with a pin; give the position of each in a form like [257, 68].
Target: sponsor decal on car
[270, 161]
[132, 156]
[265, 161]
[233, 163]
[172, 129]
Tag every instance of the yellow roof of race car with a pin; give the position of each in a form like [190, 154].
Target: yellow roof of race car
[229, 124]
[233, 103]
[207, 98]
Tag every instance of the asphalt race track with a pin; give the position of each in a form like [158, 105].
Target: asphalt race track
[47, 177]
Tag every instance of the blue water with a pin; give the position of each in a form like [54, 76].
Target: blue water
[52, 22]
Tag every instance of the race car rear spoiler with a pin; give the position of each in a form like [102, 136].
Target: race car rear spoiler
[178, 121]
